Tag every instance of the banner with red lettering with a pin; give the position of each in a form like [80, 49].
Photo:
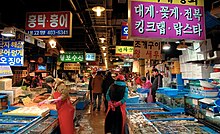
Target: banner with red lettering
[147, 50]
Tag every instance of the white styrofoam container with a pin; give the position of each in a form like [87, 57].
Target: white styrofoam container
[203, 47]
[215, 75]
[10, 95]
[184, 75]
[17, 91]
[5, 83]
[201, 56]
[183, 67]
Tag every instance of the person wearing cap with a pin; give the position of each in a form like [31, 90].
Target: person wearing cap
[50, 83]
[116, 96]
[65, 109]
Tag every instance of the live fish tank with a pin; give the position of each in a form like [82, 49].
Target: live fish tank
[171, 101]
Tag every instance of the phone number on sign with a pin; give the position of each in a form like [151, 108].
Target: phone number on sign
[48, 32]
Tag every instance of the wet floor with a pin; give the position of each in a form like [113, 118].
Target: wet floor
[93, 121]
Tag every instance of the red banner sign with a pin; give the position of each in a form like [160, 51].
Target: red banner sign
[46, 24]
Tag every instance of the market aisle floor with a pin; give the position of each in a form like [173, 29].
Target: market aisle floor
[96, 119]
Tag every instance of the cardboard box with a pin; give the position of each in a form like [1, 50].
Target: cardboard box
[5, 83]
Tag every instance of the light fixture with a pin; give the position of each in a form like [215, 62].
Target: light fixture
[32, 61]
[103, 48]
[104, 54]
[62, 51]
[182, 46]
[98, 10]
[177, 42]
[166, 46]
[9, 32]
[102, 38]
[116, 59]
[52, 42]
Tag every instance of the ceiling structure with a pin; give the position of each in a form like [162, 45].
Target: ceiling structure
[87, 27]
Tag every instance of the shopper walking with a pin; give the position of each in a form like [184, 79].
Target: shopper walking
[65, 109]
[156, 83]
[97, 90]
[90, 87]
[115, 122]
[107, 82]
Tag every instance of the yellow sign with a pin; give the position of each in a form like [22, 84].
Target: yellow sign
[71, 66]
[124, 50]
[180, 2]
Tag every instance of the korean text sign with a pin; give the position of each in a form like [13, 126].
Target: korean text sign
[147, 50]
[124, 50]
[71, 66]
[158, 19]
[12, 53]
[124, 30]
[90, 56]
[46, 24]
[72, 56]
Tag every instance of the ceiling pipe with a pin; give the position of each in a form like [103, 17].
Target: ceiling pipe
[81, 21]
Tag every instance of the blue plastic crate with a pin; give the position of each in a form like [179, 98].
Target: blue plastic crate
[133, 100]
[81, 105]
[171, 92]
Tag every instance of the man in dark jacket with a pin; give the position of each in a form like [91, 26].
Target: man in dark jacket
[156, 83]
[107, 82]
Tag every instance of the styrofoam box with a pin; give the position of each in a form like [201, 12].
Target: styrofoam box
[203, 47]
[215, 75]
[201, 56]
[190, 75]
[184, 75]
[5, 83]
[10, 95]
[181, 59]
[201, 68]
[183, 67]
[17, 91]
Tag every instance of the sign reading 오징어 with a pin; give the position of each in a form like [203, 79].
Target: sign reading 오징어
[72, 56]
[167, 19]
[147, 50]
[47, 24]
[11, 53]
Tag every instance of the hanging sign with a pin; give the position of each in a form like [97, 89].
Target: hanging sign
[90, 56]
[5, 71]
[124, 30]
[47, 24]
[71, 66]
[72, 56]
[124, 50]
[12, 53]
[147, 50]
[167, 19]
